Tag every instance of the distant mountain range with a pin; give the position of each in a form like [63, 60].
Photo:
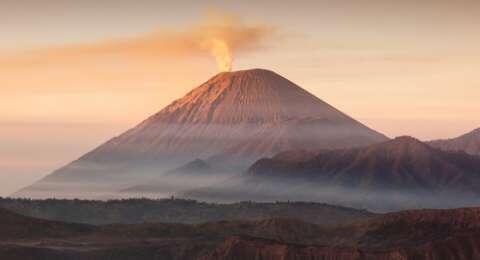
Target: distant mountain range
[230, 121]
[469, 143]
[403, 163]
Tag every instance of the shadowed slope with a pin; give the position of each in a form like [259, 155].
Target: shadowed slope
[400, 164]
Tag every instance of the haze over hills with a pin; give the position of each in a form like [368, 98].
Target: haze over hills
[469, 143]
[175, 180]
[229, 121]
[397, 174]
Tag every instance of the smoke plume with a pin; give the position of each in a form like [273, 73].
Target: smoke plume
[222, 53]
[225, 35]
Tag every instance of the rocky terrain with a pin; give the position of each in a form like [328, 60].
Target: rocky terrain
[419, 234]
[415, 234]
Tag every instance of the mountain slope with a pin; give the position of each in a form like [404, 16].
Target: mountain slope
[227, 110]
[393, 175]
[231, 120]
[469, 143]
[403, 164]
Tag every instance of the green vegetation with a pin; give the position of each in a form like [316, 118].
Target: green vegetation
[130, 211]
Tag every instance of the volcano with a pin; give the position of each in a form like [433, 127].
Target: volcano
[229, 121]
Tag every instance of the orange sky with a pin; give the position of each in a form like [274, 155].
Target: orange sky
[77, 72]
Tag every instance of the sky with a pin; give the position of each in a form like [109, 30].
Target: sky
[76, 73]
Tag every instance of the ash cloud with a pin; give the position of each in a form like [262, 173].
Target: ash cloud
[219, 34]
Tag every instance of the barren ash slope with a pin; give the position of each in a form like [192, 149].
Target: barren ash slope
[233, 118]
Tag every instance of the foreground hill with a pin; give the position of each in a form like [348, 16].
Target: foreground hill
[417, 234]
[396, 174]
[421, 234]
[469, 143]
[231, 120]
[16, 226]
